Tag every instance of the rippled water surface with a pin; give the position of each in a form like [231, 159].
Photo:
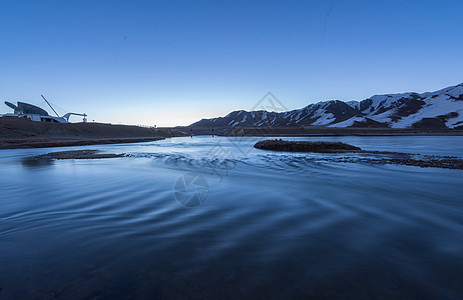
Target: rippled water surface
[213, 218]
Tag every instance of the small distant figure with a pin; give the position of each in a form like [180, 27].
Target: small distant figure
[212, 132]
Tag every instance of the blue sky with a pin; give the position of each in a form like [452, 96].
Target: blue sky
[174, 62]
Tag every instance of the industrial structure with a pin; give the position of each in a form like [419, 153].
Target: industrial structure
[37, 114]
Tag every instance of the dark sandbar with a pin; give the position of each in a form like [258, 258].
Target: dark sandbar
[78, 154]
[303, 146]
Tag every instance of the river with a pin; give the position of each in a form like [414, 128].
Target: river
[212, 217]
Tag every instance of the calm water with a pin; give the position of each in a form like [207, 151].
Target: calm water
[269, 225]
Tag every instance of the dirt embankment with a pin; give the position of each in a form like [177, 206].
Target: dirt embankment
[23, 133]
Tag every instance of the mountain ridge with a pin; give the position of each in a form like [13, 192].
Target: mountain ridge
[439, 109]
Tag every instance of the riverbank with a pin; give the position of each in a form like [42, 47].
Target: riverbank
[68, 142]
[23, 133]
[316, 131]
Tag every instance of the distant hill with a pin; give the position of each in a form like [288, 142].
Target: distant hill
[440, 109]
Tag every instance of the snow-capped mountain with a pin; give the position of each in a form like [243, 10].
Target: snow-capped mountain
[440, 109]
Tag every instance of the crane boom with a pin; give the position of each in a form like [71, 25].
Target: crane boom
[50, 105]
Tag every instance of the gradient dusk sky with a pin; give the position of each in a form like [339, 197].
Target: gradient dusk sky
[175, 62]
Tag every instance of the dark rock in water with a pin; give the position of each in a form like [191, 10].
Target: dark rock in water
[79, 154]
[304, 146]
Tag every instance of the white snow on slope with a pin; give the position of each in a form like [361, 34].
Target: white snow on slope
[347, 123]
[456, 91]
[458, 121]
[354, 104]
[384, 117]
[436, 106]
[385, 100]
[324, 119]
[264, 115]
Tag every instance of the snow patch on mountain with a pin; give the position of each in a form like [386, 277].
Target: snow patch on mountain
[354, 104]
[324, 119]
[347, 123]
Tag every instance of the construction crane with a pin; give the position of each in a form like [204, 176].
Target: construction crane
[66, 116]
[50, 106]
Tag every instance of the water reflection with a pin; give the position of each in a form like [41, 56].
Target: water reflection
[36, 163]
